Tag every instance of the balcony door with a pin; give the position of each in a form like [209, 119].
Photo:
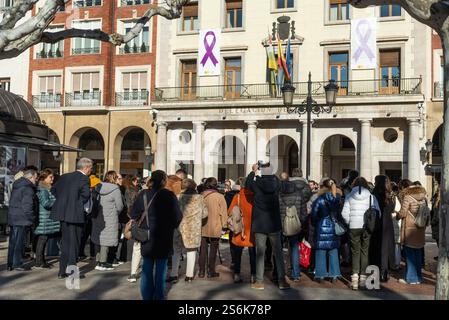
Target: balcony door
[233, 78]
[338, 71]
[390, 71]
[188, 80]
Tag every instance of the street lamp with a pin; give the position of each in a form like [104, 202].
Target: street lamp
[147, 150]
[309, 106]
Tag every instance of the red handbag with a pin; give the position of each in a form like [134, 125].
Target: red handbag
[304, 254]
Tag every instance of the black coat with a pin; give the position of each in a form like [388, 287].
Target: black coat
[229, 196]
[164, 217]
[266, 214]
[23, 205]
[72, 191]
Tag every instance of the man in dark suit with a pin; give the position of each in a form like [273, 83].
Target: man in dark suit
[72, 192]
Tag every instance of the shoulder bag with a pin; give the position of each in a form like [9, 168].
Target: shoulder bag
[133, 229]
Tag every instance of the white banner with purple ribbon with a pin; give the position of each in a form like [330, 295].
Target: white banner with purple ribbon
[209, 53]
[363, 43]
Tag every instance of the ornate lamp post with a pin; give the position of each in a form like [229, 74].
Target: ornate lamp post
[309, 106]
[149, 156]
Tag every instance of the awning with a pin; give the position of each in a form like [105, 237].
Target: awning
[34, 142]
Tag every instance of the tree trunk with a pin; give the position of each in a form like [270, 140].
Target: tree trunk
[442, 287]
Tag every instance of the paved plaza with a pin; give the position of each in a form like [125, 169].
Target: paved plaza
[112, 285]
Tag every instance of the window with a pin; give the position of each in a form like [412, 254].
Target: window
[51, 50]
[233, 77]
[390, 10]
[338, 70]
[83, 45]
[390, 71]
[50, 89]
[5, 84]
[284, 4]
[234, 14]
[135, 86]
[190, 17]
[87, 3]
[188, 79]
[6, 3]
[139, 44]
[86, 86]
[338, 10]
[134, 2]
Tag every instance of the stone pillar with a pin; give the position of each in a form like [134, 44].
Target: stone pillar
[365, 149]
[198, 127]
[251, 145]
[161, 151]
[413, 150]
[303, 147]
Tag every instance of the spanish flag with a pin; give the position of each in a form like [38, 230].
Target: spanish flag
[281, 60]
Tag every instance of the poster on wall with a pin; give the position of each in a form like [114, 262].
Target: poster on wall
[209, 53]
[12, 160]
[363, 44]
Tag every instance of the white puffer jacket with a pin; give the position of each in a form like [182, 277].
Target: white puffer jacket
[356, 205]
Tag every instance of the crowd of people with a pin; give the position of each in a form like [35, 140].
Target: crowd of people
[354, 223]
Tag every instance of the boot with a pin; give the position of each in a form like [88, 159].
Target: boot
[362, 281]
[355, 282]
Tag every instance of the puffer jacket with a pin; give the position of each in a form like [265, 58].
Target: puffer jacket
[194, 210]
[291, 196]
[46, 200]
[356, 204]
[23, 204]
[323, 209]
[302, 186]
[217, 218]
[411, 235]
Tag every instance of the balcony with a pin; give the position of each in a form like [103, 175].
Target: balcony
[135, 49]
[86, 3]
[6, 4]
[134, 2]
[50, 54]
[47, 101]
[379, 87]
[78, 51]
[83, 99]
[139, 98]
[438, 90]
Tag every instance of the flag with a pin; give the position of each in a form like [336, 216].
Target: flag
[289, 61]
[281, 60]
[271, 57]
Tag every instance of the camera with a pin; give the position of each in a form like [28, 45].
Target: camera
[262, 164]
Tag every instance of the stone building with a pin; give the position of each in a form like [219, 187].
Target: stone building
[220, 125]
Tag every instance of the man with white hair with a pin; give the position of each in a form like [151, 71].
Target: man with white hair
[72, 192]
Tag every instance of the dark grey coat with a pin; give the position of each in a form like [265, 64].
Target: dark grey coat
[291, 196]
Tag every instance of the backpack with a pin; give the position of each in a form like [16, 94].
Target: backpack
[371, 220]
[94, 202]
[291, 225]
[423, 217]
[235, 220]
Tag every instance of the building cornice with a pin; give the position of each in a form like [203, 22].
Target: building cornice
[223, 49]
[348, 42]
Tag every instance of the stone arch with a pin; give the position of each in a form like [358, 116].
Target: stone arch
[278, 151]
[338, 156]
[229, 158]
[51, 159]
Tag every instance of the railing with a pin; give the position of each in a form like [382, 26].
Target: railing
[87, 3]
[131, 98]
[6, 4]
[83, 99]
[438, 90]
[134, 2]
[138, 49]
[378, 87]
[76, 51]
[47, 101]
[49, 54]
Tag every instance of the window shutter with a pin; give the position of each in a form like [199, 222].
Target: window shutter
[51, 84]
[42, 84]
[135, 80]
[126, 80]
[190, 11]
[86, 81]
[143, 80]
[389, 58]
[58, 84]
[96, 80]
[76, 82]
[233, 4]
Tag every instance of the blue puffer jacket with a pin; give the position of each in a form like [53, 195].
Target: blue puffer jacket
[325, 238]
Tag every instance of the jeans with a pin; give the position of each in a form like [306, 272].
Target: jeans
[294, 256]
[413, 264]
[261, 242]
[321, 270]
[238, 259]
[152, 284]
[42, 240]
[360, 240]
[16, 246]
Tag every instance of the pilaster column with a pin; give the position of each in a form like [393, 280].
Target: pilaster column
[198, 128]
[413, 149]
[251, 145]
[365, 149]
[161, 151]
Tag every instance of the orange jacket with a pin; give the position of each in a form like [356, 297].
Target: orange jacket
[246, 205]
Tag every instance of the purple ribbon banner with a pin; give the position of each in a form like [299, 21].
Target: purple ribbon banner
[364, 47]
[209, 49]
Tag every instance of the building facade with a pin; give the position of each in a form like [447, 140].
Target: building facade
[221, 125]
[93, 95]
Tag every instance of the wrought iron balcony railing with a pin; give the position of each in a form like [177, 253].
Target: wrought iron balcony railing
[376, 87]
[139, 98]
[134, 2]
[87, 3]
[47, 101]
[130, 50]
[92, 98]
[438, 90]
[76, 51]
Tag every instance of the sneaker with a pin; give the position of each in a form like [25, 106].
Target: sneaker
[121, 262]
[415, 283]
[283, 285]
[334, 280]
[402, 281]
[172, 280]
[43, 266]
[132, 278]
[237, 278]
[115, 263]
[99, 267]
[257, 285]
[107, 266]
[253, 278]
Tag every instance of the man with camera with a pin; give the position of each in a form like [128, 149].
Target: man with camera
[266, 220]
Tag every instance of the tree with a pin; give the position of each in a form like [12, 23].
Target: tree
[15, 39]
[435, 14]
